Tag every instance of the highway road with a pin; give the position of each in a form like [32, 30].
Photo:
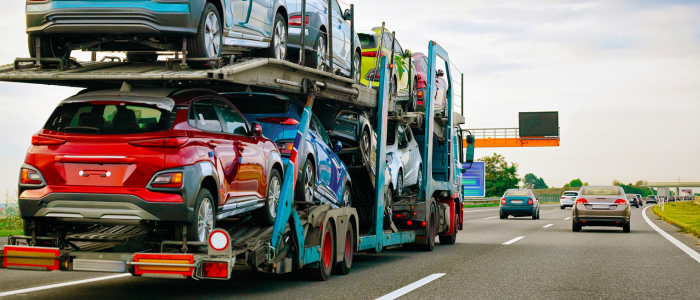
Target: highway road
[493, 259]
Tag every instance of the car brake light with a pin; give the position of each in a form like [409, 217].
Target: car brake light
[529, 201]
[296, 21]
[30, 177]
[170, 142]
[563, 197]
[373, 54]
[215, 269]
[424, 223]
[621, 202]
[503, 200]
[581, 201]
[38, 140]
[409, 223]
[279, 120]
[168, 180]
[285, 147]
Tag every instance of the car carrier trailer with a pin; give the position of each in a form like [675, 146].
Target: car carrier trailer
[315, 240]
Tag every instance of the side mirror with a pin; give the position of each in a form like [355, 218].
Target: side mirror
[347, 15]
[440, 73]
[338, 147]
[257, 130]
[469, 158]
[407, 53]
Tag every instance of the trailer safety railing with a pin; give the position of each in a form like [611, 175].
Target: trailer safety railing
[457, 90]
[510, 137]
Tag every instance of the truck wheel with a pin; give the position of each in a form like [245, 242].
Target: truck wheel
[278, 44]
[141, 57]
[265, 216]
[430, 231]
[207, 42]
[451, 239]
[343, 267]
[203, 221]
[323, 271]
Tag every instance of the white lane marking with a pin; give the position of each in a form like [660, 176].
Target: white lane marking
[693, 254]
[405, 290]
[479, 210]
[491, 217]
[545, 226]
[567, 218]
[513, 240]
[51, 286]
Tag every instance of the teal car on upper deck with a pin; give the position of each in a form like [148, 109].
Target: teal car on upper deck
[518, 203]
[143, 27]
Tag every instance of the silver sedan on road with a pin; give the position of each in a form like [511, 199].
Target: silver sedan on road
[601, 206]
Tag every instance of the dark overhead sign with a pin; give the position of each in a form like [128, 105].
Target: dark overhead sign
[539, 124]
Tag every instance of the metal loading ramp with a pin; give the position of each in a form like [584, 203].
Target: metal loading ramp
[261, 74]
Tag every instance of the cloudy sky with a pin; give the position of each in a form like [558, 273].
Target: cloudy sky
[623, 75]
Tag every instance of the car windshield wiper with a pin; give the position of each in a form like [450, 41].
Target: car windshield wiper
[83, 128]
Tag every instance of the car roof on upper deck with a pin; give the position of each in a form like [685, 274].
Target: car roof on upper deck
[164, 97]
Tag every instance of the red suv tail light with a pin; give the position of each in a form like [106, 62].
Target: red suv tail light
[503, 200]
[373, 54]
[279, 120]
[169, 142]
[285, 147]
[168, 180]
[581, 201]
[296, 21]
[621, 202]
[38, 140]
[30, 177]
[529, 201]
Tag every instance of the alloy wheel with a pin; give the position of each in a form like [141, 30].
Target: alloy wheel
[212, 35]
[364, 143]
[205, 220]
[356, 63]
[346, 197]
[321, 53]
[280, 40]
[309, 184]
[273, 197]
[399, 185]
[420, 177]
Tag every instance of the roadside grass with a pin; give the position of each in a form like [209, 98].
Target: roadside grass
[480, 205]
[684, 214]
[10, 221]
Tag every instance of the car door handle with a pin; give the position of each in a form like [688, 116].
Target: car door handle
[212, 144]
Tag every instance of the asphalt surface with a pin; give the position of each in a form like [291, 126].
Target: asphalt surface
[546, 263]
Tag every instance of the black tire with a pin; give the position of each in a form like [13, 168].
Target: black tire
[323, 270]
[343, 267]
[576, 227]
[534, 216]
[392, 94]
[357, 61]
[419, 180]
[365, 147]
[637, 206]
[200, 218]
[308, 185]
[265, 216]
[626, 227]
[451, 239]
[141, 57]
[319, 56]
[562, 207]
[50, 47]
[431, 231]
[501, 215]
[398, 191]
[198, 45]
[278, 42]
[347, 196]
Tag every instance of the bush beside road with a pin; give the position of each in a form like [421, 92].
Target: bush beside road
[683, 214]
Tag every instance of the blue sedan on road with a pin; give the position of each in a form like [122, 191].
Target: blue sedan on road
[518, 203]
[324, 178]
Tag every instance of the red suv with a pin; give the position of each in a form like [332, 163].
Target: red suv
[164, 159]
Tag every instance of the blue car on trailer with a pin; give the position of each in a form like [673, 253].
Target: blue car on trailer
[324, 178]
[518, 203]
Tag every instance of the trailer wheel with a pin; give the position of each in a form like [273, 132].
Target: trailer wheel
[451, 239]
[343, 267]
[323, 269]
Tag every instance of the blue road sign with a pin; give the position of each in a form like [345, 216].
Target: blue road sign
[473, 180]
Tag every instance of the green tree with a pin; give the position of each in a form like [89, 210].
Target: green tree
[529, 181]
[576, 183]
[500, 175]
[540, 184]
[616, 182]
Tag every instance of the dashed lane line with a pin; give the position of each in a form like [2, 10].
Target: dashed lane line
[491, 217]
[692, 253]
[513, 240]
[545, 226]
[567, 218]
[405, 290]
[57, 285]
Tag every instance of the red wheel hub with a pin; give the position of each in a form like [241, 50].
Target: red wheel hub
[327, 249]
[348, 247]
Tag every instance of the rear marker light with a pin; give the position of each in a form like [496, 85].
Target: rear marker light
[24, 257]
[30, 177]
[168, 180]
[215, 269]
[424, 223]
[409, 223]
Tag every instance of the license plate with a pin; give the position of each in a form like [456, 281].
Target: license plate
[573, 198]
[516, 201]
[601, 206]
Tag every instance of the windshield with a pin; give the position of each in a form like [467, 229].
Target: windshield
[601, 191]
[367, 41]
[107, 117]
[570, 194]
[521, 193]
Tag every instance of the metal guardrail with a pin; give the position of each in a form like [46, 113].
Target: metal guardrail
[496, 200]
[502, 133]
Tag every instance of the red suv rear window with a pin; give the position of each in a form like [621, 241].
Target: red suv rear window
[108, 118]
